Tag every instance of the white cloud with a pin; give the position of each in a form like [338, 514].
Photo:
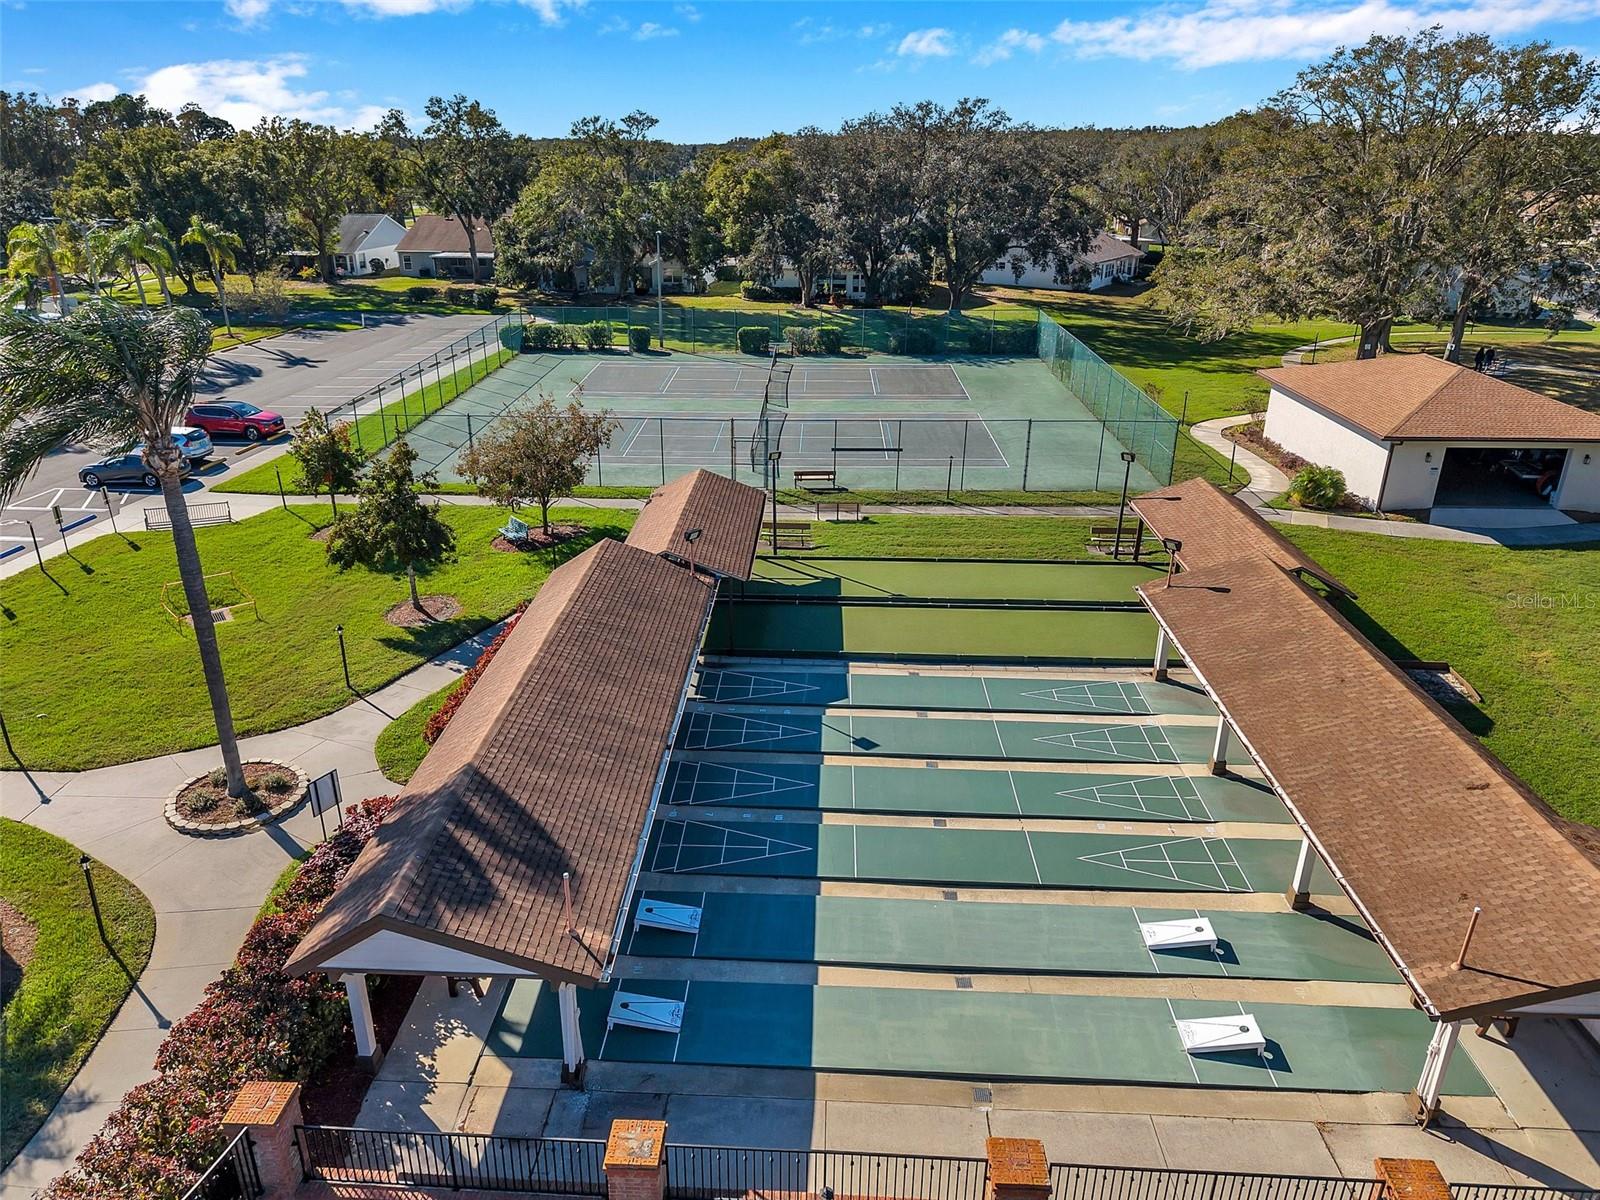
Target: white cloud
[926, 43]
[1007, 44]
[247, 12]
[614, 24]
[1229, 31]
[649, 31]
[92, 92]
[687, 11]
[242, 91]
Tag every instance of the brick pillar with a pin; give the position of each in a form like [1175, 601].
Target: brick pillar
[1018, 1169]
[636, 1158]
[270, 1111]
[1410, 1179]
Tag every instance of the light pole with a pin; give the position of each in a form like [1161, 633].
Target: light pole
[1127, 470]
[661, 329]
[84, 862]
[772, 475]
[690, 537]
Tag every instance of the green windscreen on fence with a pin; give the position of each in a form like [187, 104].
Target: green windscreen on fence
[1130, 416]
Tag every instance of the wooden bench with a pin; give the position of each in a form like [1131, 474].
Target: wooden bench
[199, 514]
[1104, 537]
[841, 508]
[792, 535]
[816, 480]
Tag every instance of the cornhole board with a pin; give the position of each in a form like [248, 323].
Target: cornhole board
[1221, 1035]
[661, 914]
[1183, 934]
[654, 1013]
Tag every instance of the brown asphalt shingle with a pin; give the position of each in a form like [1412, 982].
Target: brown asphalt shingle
[1215, 527]
[550, 765]
[433, 234]
[1415, 816]
[1418, 396]
[728, 515]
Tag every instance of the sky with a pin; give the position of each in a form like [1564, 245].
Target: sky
[715, 69]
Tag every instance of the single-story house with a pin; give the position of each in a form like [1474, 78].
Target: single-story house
[843, 280]
[1411, 431]
[1108, 260]
[435, 247]
[368, 242]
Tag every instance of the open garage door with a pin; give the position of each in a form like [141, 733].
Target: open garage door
[1498, 477]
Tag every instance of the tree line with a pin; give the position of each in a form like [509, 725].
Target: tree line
[1407, 177]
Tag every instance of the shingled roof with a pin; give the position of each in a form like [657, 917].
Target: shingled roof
[1416, 819]
[550, 765]
[433, 234]
[1215, 527]
[727, 514]
[1416, 396]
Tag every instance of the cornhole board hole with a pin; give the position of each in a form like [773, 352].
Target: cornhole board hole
[1186, 934]
[660, 914]
[645, 1012]
[1221, 1035]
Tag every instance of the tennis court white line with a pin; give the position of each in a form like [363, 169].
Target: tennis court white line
[577, 388]
[627, 446]
[872, 376]
[956, 375]
[666, 385]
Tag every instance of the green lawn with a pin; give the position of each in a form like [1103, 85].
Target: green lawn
[97, 673]
[1519, 625]
[355, 296]
[74, 984]
[400, 746]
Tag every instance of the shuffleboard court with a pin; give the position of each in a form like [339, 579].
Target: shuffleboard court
[1063, 939]
[1109, 582]
[753, 730]
[911, 633]
[957, 791]
[623, 380]
[981, 857]
[990, 1035]
[753, 682]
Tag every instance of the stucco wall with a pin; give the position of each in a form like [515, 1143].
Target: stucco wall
[1328, 442]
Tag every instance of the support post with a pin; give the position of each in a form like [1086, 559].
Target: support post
[1018, 1169]
[1299, 893]
[1160, 671]
[367, 1049]
[1434, 1065]
[269, 1112]
[572, 1060]
[1219, 747]
[636, 1160]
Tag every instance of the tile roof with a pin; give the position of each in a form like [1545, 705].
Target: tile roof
[1215, 527]
[432, 234]
[728, 515]
[1404, 396]
[1415, 817]
[550, 765]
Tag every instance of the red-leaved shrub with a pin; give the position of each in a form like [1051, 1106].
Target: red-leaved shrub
[436, 723]
[254, 1023]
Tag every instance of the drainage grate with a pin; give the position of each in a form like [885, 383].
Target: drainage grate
[940, 823]
[931, 763]
[982, 1096]
[964, 982]
[949, 895]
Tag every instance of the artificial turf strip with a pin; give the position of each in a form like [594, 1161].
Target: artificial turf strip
[1518, 624]
[1109, 582]
[74, 984]
[400, 748]
[1034, 939]
[99, 674]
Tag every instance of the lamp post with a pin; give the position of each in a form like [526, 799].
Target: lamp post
[94, 901]
[1127, 470]
[661, 330]
[1171, 546]
[690, 537]
[772, 476]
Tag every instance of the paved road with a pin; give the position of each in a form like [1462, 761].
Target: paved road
[287, 374]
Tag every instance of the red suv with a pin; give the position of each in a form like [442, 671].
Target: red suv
[234, 418]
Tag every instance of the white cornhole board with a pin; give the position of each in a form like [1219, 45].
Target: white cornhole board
[645, 1012]
[675, 918]
[1179, 935]
[1221, 1035]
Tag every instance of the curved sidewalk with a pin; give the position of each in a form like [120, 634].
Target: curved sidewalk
[205, 891]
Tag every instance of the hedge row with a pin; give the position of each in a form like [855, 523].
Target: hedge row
[254, 1023]
[436, 723]
[475, 297]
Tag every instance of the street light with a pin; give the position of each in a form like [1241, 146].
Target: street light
[772, 476]
[690, 537]
[1127, 470]
[661, 334]
[84, 862]
[1171, 546]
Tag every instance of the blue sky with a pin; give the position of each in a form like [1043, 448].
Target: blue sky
[713, 69]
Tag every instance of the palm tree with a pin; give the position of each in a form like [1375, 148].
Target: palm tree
[111, 375]
[93, 253]
[144, 243]
[36, 249]
[221, 248]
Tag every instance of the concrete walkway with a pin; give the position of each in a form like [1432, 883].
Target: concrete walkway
[205, 891]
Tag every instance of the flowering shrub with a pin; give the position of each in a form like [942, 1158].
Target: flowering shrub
[254, 1023]
[436, 723]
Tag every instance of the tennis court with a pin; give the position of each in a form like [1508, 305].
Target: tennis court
[612, 379]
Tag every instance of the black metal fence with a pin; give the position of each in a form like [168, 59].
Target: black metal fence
[731, 1173]
[397, 1158]
[1071, 1181]
[1497, 1191]
[232, 1177]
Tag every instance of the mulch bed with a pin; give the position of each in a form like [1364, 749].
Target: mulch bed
[334, 1097]
[434, 608]
[19, 937]
[207, 802]
[537, 539]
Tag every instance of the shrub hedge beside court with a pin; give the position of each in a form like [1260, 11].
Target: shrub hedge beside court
[254, 1023]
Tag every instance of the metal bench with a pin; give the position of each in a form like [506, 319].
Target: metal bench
[841, 508]
[199, 514]
[816, 480]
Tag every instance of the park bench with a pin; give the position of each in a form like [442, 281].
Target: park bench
[1104, 538]
[792, 535]
[841, 510]
[816, 480]
[199, 514]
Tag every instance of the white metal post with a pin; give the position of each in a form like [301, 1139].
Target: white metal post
[1440, 1050]
[661, 329]
[1161, 653]
[355, 990]
[571, 1035]
[1299, 894]
[1219, 748]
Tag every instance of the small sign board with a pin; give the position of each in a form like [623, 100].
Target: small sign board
[324, 794]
